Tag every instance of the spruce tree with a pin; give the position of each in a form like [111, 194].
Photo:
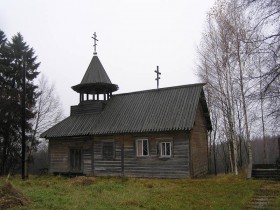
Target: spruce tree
[13, 56]
[4, 104]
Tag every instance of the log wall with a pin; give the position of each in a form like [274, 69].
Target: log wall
[125, 161]
[199, 145]
[59, 154]
[103, 167]
[153, 166]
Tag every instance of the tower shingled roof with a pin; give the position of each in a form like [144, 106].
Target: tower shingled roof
[95, 73]
[95, 79]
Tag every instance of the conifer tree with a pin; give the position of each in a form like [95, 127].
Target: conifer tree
[13, 55]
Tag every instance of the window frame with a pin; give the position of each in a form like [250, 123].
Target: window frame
[161, 149]
[113, 150]
[142, 151]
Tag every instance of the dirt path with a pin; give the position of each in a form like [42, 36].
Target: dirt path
[265, 197]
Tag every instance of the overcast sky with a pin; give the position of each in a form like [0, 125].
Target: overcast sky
[134, 37]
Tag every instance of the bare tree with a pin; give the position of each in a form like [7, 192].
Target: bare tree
[48, 112]
[265, 16]
[225, 63]
[215, 69]
[242, 55]
[48, 108]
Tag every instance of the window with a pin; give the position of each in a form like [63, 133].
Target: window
[75, 160]
[108, 150]
[142, 147]
[165, 149]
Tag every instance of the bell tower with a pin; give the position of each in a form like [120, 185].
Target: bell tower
[96, 85]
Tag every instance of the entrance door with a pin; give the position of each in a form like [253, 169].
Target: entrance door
[75, 160]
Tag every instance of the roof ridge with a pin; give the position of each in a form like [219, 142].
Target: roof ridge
[162, 89]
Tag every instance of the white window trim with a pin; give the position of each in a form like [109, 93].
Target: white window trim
[141, 140]
[170, 149]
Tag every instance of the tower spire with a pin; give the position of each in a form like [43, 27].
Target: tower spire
[95, 43]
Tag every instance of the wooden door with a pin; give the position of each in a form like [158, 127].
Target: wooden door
[75, 160]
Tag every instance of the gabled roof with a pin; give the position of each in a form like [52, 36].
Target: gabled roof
[165, 109]
[95, 79]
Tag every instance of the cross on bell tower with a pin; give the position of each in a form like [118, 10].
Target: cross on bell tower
[95, 40]
[158, 78]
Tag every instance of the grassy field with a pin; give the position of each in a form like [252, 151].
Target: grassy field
[222, 192]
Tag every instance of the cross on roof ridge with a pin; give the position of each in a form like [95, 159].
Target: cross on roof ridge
[158, 78]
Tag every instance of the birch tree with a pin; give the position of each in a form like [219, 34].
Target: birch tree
[265, 15]
[215, 69]
[225, 60]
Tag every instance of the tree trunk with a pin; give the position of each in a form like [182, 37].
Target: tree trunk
[279, 147]
[215, 158]
[4, 155]
[263, 126]
[210, 153]
[249, 146]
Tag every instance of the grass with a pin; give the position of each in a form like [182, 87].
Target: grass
[222, 192]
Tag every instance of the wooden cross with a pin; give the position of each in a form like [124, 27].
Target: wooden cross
[95, 40]
[158, 78]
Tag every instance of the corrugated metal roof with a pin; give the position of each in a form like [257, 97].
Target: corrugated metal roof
[165, 109]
